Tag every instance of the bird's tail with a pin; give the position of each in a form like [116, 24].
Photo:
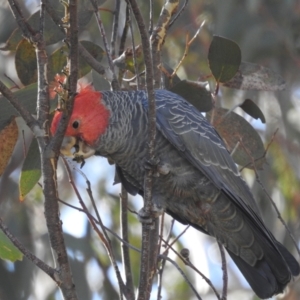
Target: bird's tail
[271, 274]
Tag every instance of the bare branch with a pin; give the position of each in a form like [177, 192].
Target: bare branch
[115, 28]
[104, 237]
[163, 264]
[114, 81]
[182, 273]
[187, 47]
[91, 60]
[145, 283]
[96, 221]
[43, 105]
[158, 37]
[24, 113]
[177, 238]
[179, 13]
[188, 263]
[125, 249]
[138, 84]
[25, 27]
[30, 256]
[268, 196]
[224, 269]
[125, 30]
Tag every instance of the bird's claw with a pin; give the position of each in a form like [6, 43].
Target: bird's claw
[152, 163]
[148, 217]
[157, 167]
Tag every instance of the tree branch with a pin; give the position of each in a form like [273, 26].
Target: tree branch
[114, 80]
[115, 28]
[149, 234]
[224, 269]
[125, 249]
[158, 37]
[48, 157]
[30, 256]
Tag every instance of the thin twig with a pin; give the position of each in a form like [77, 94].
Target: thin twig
[158, 37]
[96, 221]
[188, 263]
[24, 113]
[138, 81]
[71, 181]
[30, 256]
[115, 27]
[27, 31]
[224, 269]
[187, 47]
[125, 250]
[182, 274]
[104, 237]
[269, 197]
[15, 86]
[150, 17]
[91, 60]
[125, 30]
[123, 41]
[82, 51]
[177, 238]
[179, 13]
[114, 80]
[163, 264]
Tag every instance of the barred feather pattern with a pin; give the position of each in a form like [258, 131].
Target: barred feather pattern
[202, 186]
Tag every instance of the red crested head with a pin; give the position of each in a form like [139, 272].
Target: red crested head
[89, 119]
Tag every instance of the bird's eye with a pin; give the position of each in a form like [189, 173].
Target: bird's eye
[75, 124]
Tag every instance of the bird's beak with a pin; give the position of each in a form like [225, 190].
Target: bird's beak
[68, 143]
[81, 150]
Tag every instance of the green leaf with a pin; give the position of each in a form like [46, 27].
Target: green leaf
[224, 57]
[52, 33]
[25, 62]
[27, 97]
[195, 93]
[253, 110]
[31, 170]
[58, 59]
[8, 251]
[239, 136]
[8, 138]
[96, 51]
[255, 77]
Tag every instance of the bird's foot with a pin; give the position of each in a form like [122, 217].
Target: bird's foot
[148, 217]
[157, 166]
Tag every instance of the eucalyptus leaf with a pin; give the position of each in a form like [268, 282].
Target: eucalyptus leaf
[26, 63]
[224, 57]
[8, 250]
[31, 170]
[255, 77]
[8, 139]
[195, 93]
[239, 136]
[253, 110]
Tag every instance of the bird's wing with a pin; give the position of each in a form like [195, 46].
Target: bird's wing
[196, 140]
[186, 128]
